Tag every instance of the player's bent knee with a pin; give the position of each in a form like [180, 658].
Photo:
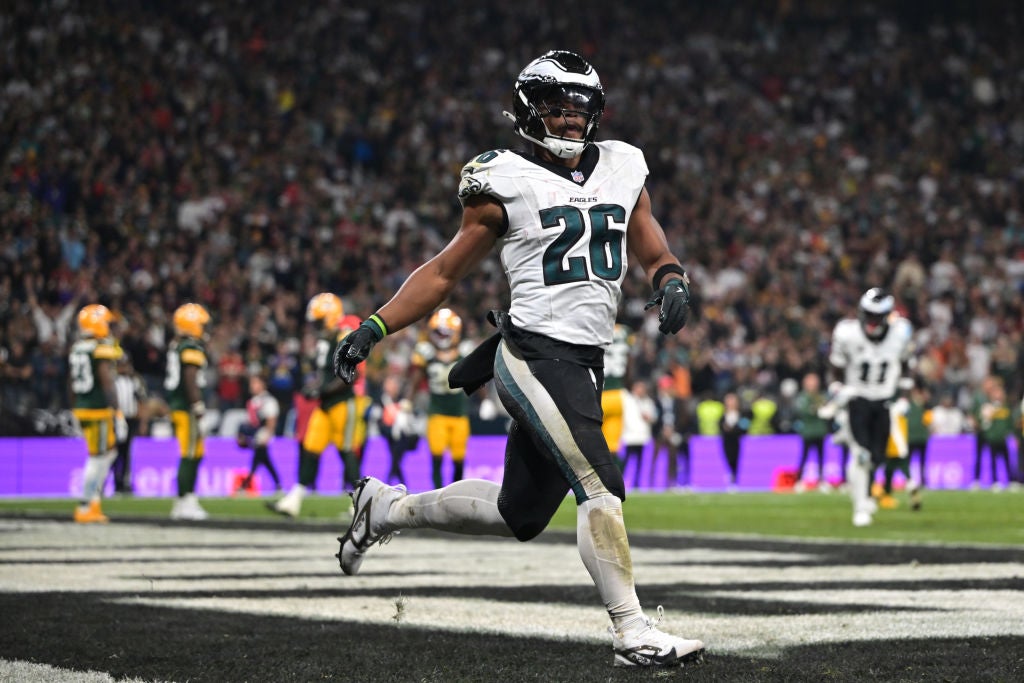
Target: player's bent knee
[529, 531]
[525, 526]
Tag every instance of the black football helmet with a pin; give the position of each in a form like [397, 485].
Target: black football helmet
[556, 82]
[876, 305]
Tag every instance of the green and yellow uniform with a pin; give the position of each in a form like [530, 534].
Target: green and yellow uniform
[340, 419]
[183, 352]
[91, 406]
[616, 365]
[448, 409]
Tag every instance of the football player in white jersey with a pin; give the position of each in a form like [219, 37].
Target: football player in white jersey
[870, 358]
[561, 217]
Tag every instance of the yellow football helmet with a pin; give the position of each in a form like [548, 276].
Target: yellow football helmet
[190, 319]
[326, 307]
[94, 321]
[445, 328]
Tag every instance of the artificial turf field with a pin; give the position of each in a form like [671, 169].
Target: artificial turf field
[780, 587]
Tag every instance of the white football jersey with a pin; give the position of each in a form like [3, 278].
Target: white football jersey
[872, 368]
[565, 248]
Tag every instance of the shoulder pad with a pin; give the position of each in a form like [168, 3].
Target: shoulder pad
[193, 356]
[625, 151]
[475, 179]
[107, 352]
[903, 327]
[847, 328]
[423, 353]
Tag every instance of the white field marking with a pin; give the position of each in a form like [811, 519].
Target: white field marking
[151, 565]
[30, 672]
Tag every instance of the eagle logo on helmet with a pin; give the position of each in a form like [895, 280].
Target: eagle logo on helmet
[556, 82]
[327, 308]
[190, 320]
[876, 305]
[445, 328]
[94, 321]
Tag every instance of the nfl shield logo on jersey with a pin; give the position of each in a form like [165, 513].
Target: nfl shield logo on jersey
[577, 177]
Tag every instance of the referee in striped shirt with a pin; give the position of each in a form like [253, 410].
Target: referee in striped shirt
[130, 391]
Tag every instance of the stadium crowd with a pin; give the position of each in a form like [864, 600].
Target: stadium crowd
[247, 156]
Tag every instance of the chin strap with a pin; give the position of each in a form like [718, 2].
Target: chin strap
[566, 149]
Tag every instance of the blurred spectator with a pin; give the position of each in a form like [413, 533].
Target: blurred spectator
[263, 412]
[919, 417]
[52, 319]
[283, 378]
[673, 427]
[812, 429]
[131, 399]
[49, 376]
[734, 425]
[785, 417]
[16, 394]
[230, 372]
[638, 415]
[994, 420]
[947, 418]
[397, 425]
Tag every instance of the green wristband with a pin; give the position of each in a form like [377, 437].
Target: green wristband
[377, 325]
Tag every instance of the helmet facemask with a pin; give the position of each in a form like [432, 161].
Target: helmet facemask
[558, 84]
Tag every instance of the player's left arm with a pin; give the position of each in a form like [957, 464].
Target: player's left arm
[907, 360]
[646, 239]
[107, 377]
[190, 377]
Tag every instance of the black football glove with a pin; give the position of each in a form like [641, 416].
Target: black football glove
[353, 350]
[674, 298]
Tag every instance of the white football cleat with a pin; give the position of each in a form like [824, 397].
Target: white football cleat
[371, 500]
[291, 504]
[648, 646]
[862, 518]
[188, 508]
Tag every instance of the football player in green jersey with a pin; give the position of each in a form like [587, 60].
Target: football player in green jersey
[340, 417]
[184, 382]
[91, 369]
[616, 364]
[448, 411]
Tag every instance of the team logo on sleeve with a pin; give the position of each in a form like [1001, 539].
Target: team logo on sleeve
[470, 186]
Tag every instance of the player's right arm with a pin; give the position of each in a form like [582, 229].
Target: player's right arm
[483, 220]
[838, 357]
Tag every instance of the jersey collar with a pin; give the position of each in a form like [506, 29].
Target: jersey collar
[579, 175]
